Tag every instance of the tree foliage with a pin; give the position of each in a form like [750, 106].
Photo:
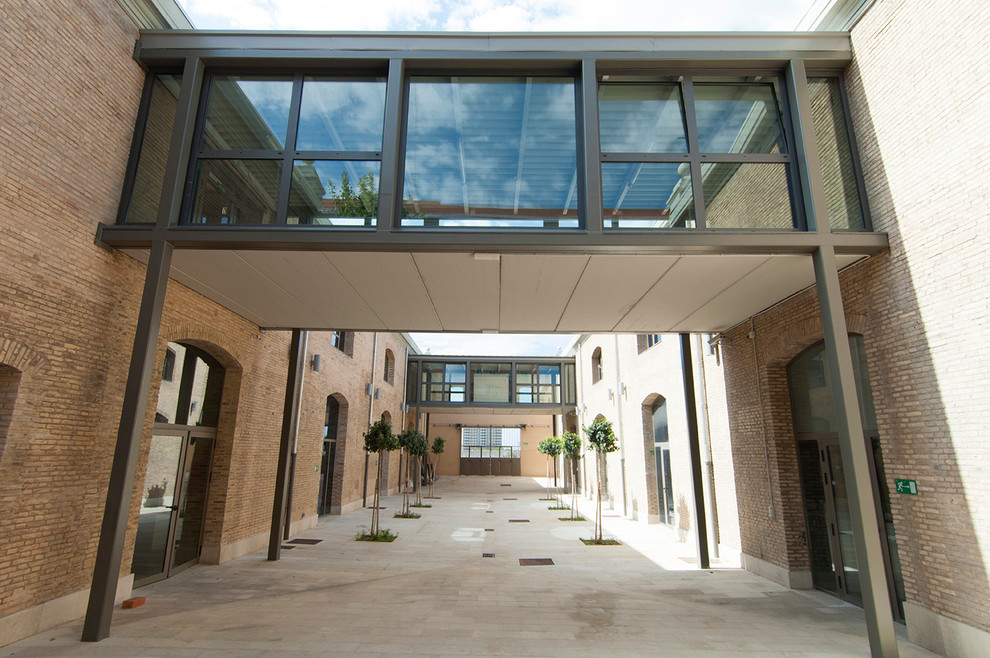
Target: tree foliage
[379, 439]
[551, 446]
[348, 202]
[601, 437]
[437, 447]
[572, 446]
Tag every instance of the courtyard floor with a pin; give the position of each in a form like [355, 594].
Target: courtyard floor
[452, 584]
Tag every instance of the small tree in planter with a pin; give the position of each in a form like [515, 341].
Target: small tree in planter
[601, 438]
[572, 451]
[551, 447]
[378, 439]
[407, 440]
[418, 447]
[437, 450]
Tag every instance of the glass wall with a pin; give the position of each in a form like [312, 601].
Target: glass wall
[443, 382]
[490, 382]
[494, 152]
[537, 384]
[490, 152]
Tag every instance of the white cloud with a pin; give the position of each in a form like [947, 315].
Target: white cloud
[497, 15]
[493, 344]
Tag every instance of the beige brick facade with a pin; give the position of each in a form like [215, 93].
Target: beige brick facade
[918, 92]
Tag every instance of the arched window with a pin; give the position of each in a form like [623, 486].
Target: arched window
[389, 373]
[597, 370]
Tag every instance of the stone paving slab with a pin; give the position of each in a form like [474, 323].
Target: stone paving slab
[432, 593]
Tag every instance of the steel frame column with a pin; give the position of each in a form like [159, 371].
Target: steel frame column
[293, 390]
[697, 484]
[106, 572]
[865, 523]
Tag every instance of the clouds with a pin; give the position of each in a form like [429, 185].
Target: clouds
[497, 15]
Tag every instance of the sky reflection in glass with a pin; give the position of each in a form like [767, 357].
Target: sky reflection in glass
[341, 115]
[641, 118]
[647, 195]
[334, 192]
[490, 148]
[247, 112]
[740, 118]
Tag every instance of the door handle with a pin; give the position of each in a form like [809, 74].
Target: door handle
[173, 507]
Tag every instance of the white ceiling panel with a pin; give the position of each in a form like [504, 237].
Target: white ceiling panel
[390, 284]
[535, 289]
[609, 287]
[228, 274]
[683, 289]
[463, 288]
[318, 285]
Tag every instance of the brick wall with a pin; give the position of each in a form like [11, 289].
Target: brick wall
[919, 104]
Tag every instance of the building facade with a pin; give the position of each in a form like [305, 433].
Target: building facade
[215, 372]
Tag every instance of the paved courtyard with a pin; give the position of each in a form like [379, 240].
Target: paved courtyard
[433, 592]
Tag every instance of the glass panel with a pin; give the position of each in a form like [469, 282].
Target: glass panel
[843, 521]
[327, 460]
[835, 152]
[816, 515]
[155, 517]
[490, 152]
[341, 115]
[247, 112]
[192, 500]
[811, 392]
[193, 394]
[150, 175]
[236, 192]
[641, 118]
[888, 524]
[490, 382]
[444, 382]
[738, 118]
[334, 193]
[570, 391]
[646, 195]
[752, 195]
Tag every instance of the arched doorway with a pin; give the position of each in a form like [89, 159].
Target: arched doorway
[831, 548]
[176, 481]
[334, 426]
[657, 438]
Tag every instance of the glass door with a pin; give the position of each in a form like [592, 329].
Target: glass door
[191, 502]
[173, 503]
[158, 506]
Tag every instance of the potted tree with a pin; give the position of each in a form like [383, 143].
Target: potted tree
[601, 438]
[408, 441]
[437, 450]
[378, 439]
[552, 447]
[418, 447]
[572, 451]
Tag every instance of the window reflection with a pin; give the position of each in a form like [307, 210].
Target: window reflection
[236, 192]
[738, 118]
[489, 152]
[150, 174]
[835, 153]
[334, 193]
[641, 118]
[339, 114]
[247, 112]
[751, 195]
[647, 195]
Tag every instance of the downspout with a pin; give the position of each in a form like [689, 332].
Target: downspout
[622, 450]
[295, 442]
[371, 416]
[708, 474]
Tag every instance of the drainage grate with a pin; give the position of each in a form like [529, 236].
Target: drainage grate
[505, 485]
[489, 511]
[510, 499]
[487, 555]
[518, 520]
[535, 562]
[287, 547]
[308, 542]
[489, 529]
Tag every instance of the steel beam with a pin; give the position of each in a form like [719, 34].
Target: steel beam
[694, 444]
[862, 508]
[293, 391]
[106, 571]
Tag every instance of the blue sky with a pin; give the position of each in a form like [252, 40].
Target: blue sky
[497, 15]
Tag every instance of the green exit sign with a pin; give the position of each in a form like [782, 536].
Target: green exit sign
[906, 487]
